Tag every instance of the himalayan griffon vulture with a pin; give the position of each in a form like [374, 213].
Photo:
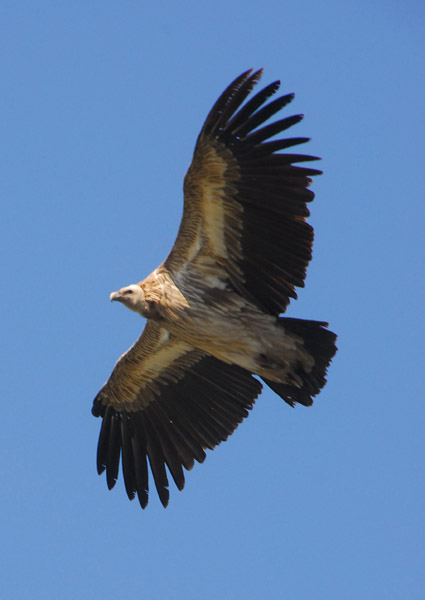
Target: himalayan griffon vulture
[213, 306]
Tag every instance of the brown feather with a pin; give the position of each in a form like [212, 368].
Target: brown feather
[199, 406]
[234, 168]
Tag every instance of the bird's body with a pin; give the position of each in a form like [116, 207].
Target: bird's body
[206, 314]
[213, 307]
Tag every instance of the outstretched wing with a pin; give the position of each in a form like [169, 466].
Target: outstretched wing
[167, 402]
[245, 203]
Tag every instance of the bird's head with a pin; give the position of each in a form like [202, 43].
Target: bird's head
[133, 297]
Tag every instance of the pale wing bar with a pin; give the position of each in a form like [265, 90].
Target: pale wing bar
[275, 239]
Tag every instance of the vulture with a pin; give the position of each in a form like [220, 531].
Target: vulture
[213, 307]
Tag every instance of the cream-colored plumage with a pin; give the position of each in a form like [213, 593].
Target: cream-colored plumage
[213, 306]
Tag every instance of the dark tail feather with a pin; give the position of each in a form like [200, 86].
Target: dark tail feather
[320, 343]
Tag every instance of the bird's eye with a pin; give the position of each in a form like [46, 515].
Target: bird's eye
[128, 292]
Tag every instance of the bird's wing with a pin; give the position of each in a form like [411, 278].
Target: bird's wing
[245, 203]
[167, 402]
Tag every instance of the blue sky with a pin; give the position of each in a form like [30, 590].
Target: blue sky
[101, 106]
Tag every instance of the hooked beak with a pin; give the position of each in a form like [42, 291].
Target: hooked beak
[116, 296]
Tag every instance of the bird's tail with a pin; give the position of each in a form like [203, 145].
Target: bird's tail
[320, 343]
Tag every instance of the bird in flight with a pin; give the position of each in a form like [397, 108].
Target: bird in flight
[213, 307]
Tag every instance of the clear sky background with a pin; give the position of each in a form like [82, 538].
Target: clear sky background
[101, 104]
